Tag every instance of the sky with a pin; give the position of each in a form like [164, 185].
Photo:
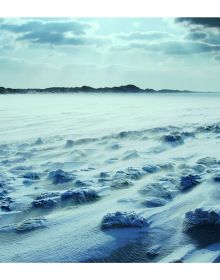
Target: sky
[170, 53]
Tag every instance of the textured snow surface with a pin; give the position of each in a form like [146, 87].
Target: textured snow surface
[110, 178]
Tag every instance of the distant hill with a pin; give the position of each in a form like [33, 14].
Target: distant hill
[87, 89]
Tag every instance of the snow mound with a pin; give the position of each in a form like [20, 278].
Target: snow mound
[130, 173]
[188, 181]
[153, 251]
[5, 203]
[215, 128]
[199, 168]
[31, 175]
[167, 166]
[59, 176]
[121, 183]
[123, 219]
[31, 224]
[69, 143]
[150, 168]
[123, 179]
[126, 134]
[80, 183]
[216, 178]
[155, 202]
[39, 141]
[47, 195]
[46, 202]
[202, 217]
[25, 226]
[207, 161]
[162, 189]
[80, 196]
[173, 138]
[133, 173]
[105, 174]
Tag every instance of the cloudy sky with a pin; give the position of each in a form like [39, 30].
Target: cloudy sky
[181, 53]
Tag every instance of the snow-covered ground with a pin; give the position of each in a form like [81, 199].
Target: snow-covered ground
[110, 178]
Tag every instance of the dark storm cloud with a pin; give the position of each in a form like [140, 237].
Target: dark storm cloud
[208, 22]
[50, 38]
[151, 36]
[38, 26]
[196, 40]
[205, 36]
[59, 32]
[61, 39]
[178, 47]
[205, 31]
[196, 35]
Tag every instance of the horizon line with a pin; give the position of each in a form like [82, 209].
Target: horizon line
[104, 87]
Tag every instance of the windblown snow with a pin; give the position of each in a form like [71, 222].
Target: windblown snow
[110, 178]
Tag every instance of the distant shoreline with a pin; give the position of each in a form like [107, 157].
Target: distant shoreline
[88, 89]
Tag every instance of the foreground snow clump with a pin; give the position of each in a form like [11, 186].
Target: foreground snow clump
[123, 219]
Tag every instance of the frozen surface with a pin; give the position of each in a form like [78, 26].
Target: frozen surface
[68, 162]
